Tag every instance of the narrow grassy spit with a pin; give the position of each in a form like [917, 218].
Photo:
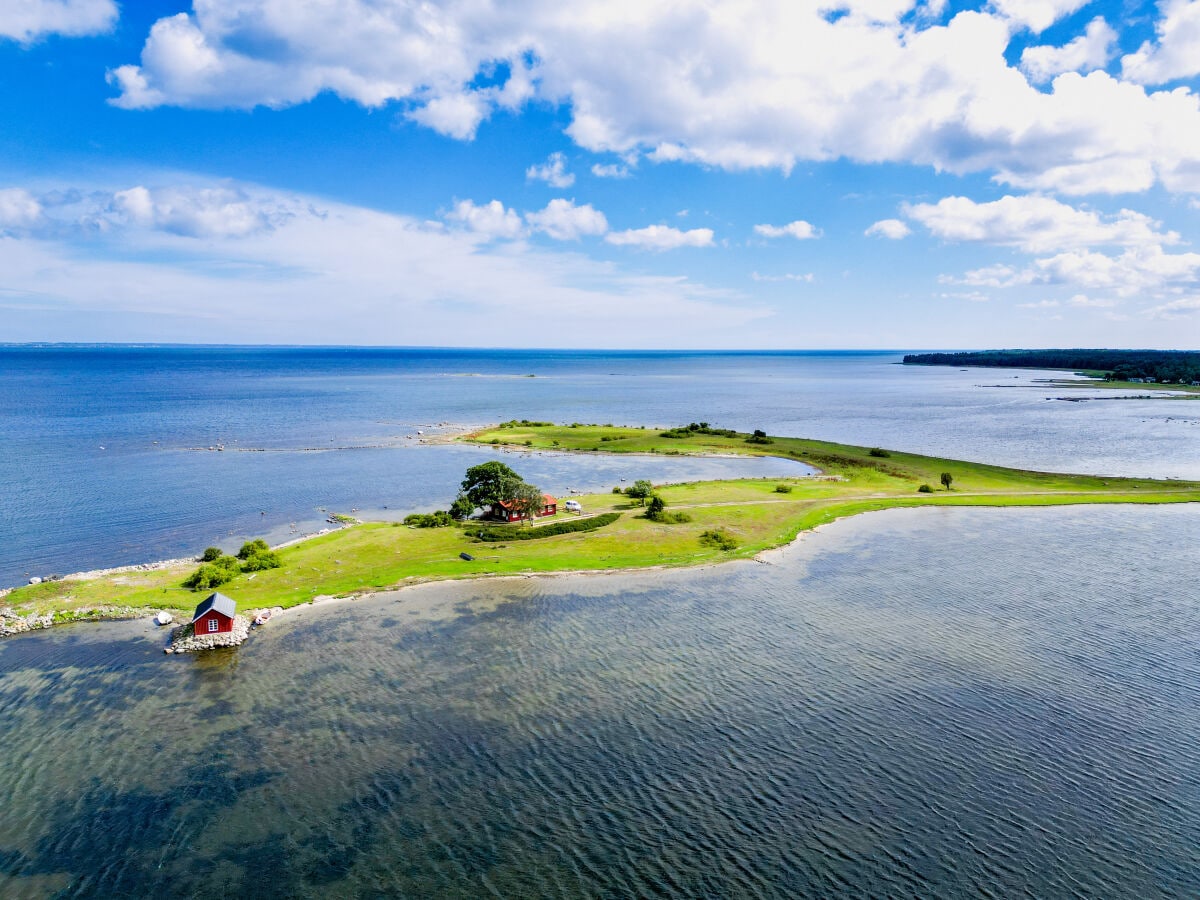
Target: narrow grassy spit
[751, 515]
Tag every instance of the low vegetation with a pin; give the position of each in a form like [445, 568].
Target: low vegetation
[697, 522]
[718, 538]
[439, 519]
[217, 569]
[496, 533]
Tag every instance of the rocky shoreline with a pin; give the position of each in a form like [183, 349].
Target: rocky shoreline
[185, 640]
[12, 622]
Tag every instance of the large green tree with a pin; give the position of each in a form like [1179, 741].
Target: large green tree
[488, 483]
[528, 500]
[640, 490]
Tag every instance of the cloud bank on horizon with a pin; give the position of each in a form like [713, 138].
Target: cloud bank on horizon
[665, 165]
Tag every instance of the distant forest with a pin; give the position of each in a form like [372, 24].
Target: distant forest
[1166, 366]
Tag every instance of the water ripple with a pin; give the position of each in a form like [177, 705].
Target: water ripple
[910, 704]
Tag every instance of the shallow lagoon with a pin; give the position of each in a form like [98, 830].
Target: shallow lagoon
[914, 703]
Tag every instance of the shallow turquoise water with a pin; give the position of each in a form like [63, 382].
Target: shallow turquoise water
[916, 703]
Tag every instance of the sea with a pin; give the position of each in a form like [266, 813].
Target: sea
[914, 703]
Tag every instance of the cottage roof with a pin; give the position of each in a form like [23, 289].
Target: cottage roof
[217, 601]
[547, 499]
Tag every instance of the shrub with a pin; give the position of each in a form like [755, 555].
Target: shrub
[719, 538]
[211, 553]
[205, 577]
[568, 526]
[675, 518]
[212, 574]
[759, 437]
[525, 423]
[616, 490]
[925, 489]
[258, 562]
[783, 488]
[258, 545]
[439, 519]
[694, 428]
[657, 512]
[878, 452]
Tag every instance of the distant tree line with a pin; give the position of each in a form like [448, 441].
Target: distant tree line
[1167, 366]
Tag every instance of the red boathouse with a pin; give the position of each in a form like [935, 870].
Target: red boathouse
[214, 615]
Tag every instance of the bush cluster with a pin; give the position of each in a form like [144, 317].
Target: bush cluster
[668, 518]
[925, 489]
[657, 512]
[759, 437]
[878, 452]
[255, 556]
[686, 431]
[518, 533]
[438, 519]
[214, 573]
[525, 423]
[719, 538]
[783, 488]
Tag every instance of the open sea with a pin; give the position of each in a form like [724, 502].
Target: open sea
[916, 703]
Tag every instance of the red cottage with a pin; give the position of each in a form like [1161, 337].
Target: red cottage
[508, 511]
[214, 615]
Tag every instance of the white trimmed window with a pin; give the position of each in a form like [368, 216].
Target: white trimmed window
[213, 625]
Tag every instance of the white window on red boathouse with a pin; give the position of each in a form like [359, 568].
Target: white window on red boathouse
[213, 625]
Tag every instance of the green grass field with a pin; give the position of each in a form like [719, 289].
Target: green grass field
[375, 556]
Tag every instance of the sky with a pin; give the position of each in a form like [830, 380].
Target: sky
[775, 174]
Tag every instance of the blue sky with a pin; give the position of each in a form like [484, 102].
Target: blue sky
[782, 174]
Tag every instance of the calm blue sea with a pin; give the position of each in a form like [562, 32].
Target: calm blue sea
[105, 462]
[921, 703]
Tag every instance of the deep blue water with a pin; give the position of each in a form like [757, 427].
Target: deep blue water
[97, 468]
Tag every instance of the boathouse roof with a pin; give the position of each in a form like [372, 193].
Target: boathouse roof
[218, 601]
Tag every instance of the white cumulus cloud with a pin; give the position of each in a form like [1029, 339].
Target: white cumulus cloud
[1176, 53]
[197, 212]
[661, 237]
[893, 229]
[1091, 50]
[18, 209]
[1035, 224]
[733, 83]
[29, 20]
[1036, 15]
[800, 230]
[564, 221]
[553, 171]
[492, 219]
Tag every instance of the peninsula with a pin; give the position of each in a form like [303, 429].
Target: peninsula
[695, 523]
[1173, 369]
